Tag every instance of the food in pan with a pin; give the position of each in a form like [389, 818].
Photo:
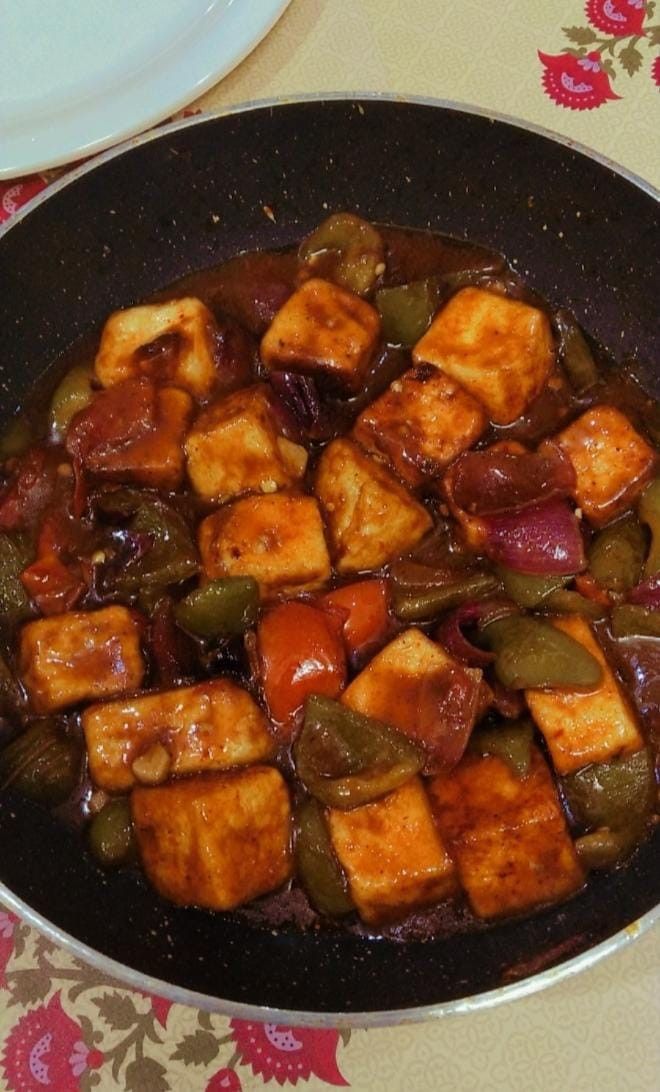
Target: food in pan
[336, 571]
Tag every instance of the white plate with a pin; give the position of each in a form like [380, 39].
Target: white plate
[79, 75]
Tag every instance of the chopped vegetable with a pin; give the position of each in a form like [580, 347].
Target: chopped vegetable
[511, 742]
[563, 601]
[221, 608]
[496, 480]
[73, 394]
[616, 556]
[530, 653]
[318, 868]
[347, 250]
[111, 837]
[616, 797]
[406, 310]
[602, 848]
[629, 620]
[527, 590]
[42, 763]
[478, 613]
[647, 594]
[416, 604]
[301, 651]
[15, 554]
[544, 538]
[345, 759]
[649, 513]
[362, 608]
[576, 356]
[170, 558]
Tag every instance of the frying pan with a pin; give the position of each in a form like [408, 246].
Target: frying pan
[581, 232]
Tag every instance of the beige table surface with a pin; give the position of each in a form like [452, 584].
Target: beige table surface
[598, 1032]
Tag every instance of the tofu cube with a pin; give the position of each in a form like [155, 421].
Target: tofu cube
[235, 448]
[210, 726]
[79, 656]
[580, 728]
[326, 329]
[371, 517]
[278, 539]
[417, 687]
[612, 462]
[170, 342]
[499, 349]
[218, 841]
[392, 854]
[421, 423]
[507, 835]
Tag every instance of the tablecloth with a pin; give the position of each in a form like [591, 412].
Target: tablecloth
[591, 72]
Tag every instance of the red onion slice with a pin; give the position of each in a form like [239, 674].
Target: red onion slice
[647, 594]
[544, 539]
[478, 612]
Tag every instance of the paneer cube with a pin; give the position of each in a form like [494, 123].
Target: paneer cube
[235, 448]
[417, 687]
[612, 462]
[170, 342]
[79, 656]
[392, 854]
[499, 349]
[323, 328]
[135, 432]
[371, 517]
[210, 726]
[507, 835]
[580, 728]
[217, 841]
[421, 423]
[277, 539]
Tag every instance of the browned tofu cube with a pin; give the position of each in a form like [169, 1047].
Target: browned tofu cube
[215, 842]
[499, 349]
[507, 835]
[392, 854]
[235, 448]
[612, 462]
[421, 423]
[80, 656]
[170, 342]
[583, 727]
[417, 687]
[210, 726]
[371, 517]
[323, 328]
[135, 432]
[277, 539]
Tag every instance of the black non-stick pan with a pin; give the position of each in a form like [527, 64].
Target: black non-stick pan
[581, 233]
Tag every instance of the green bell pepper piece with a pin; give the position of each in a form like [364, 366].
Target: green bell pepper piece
[171, 559]
[577, 358]
[347, 250]
[511, 742]
[563, 601]
[345, 759]
[649, 513]
[532, 653]
[616, 556]
[422, 604]
[633, 621]
[42, 763]
[15, 555]
[316, 864]
[111, 835]
[406, 310]
[222, 608]
[73, 394]
[527, 590]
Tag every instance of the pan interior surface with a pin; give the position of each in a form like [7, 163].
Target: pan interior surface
[576, 231]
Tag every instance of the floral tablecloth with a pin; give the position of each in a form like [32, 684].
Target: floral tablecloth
[591, 72]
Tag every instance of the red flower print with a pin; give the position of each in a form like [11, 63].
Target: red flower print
[576, 82]
[45, 1050]
[655, 72]
[7, 926]
[288, 1054]
[13, 195]
[617, 17]
[160, 1008]
[225, 1080]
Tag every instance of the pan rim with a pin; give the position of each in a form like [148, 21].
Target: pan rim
[129, 976]
[357, 97]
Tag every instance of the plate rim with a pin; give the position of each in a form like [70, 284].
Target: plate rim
[123, 132]
[139, 980]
